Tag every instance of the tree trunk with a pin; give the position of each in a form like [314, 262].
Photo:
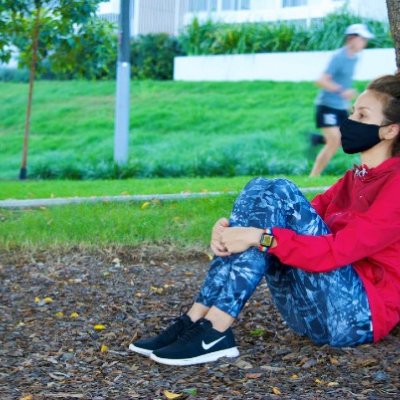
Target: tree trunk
[32, 73]
[393, 7]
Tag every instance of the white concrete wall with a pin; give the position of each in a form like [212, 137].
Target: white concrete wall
[291, 66]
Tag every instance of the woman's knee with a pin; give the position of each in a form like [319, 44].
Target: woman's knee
[284, 183]
[265, 183]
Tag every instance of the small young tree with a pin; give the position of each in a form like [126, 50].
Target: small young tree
[64, 32]
[393, 8]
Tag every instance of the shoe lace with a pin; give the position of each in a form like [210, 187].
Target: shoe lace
[192, 332]
[168, 319]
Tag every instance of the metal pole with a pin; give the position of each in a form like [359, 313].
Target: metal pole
[121, 133]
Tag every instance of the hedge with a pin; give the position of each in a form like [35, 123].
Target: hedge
[263, 37]
[152, 55]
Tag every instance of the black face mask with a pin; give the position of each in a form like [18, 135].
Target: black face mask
[358, 137]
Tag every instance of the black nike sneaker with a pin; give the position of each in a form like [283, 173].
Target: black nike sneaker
[165, 338]
[199, 344]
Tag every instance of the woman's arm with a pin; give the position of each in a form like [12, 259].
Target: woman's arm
[236, 239]
[365, 234]
[321, 202]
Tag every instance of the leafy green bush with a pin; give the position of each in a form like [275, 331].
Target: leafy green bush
[152, 56]
[261, 37]
[13, 75]
[92, 55]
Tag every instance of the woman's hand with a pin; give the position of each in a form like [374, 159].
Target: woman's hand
[216, 245]
[238, 239]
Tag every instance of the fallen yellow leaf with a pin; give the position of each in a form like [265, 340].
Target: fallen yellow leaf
[318, 381]
[74, 315]
[170, 395]
[59, 314]
[99, 327]
[294, 376]
[48, 300]
[103, 348]
[332, 384]
[275, 390]
[37, 299]
[145, 204]
[27, 397]
[156, 289]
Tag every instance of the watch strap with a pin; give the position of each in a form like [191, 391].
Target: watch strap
[262, 246]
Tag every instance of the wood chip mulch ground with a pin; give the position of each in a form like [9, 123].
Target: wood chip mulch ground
[67, 318]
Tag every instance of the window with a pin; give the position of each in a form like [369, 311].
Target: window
[202, 5]
[294, 3]
[245, 5]
[235, 4]
[197, 5]
[228, 4]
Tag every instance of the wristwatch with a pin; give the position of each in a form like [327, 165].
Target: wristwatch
[266, 240]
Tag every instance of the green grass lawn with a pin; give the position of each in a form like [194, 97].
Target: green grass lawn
[54, 189]
[184, 223]
[177, 129]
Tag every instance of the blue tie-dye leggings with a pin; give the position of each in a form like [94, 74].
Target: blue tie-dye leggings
[330, 307]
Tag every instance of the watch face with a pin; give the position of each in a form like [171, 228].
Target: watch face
[266, 240]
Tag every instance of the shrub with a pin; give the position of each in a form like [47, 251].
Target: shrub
[261, 37]
[152, 56]
[13, 75]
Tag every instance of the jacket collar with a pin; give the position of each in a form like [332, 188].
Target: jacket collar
[364, 173]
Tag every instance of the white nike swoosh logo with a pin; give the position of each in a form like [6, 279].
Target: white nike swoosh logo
[207, 346]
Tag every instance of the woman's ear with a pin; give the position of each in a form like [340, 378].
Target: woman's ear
[391, 131]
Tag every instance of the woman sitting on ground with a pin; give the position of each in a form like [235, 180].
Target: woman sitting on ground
[332, 265]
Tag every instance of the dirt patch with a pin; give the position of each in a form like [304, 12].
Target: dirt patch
[51, 301]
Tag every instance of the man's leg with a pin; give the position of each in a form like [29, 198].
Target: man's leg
[333, 142]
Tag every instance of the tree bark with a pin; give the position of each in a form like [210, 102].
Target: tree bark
[393, 7]
[32, 73]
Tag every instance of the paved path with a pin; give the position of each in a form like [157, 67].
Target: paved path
[31, 203]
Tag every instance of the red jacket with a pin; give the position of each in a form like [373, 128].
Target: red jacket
[362, 211]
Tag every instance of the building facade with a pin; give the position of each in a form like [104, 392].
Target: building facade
[149, 16]
[232, 11]
[170, 16]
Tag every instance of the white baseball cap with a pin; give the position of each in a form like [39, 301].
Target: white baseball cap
[360, 30]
